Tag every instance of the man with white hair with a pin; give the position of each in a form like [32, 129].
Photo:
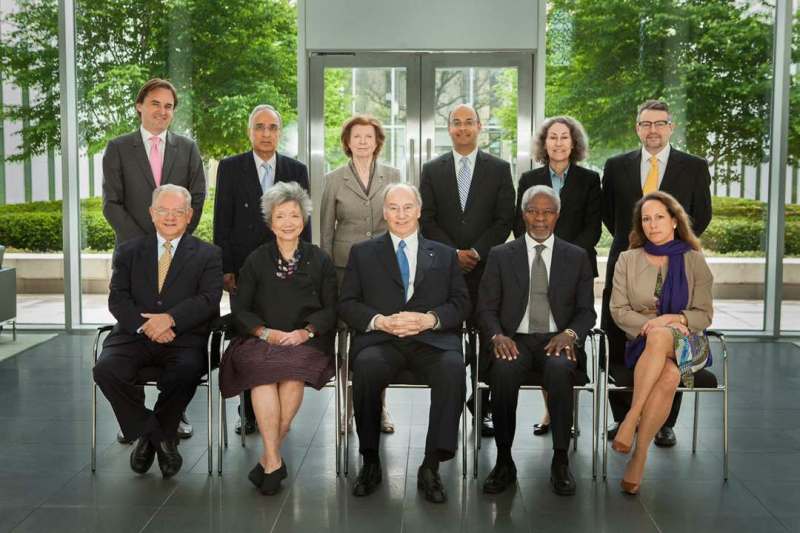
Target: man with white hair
[238, 224]
[165, 291]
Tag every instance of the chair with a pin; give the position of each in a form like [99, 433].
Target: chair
[705, 381]
[534, 383]
[148, 377]
[405, 380]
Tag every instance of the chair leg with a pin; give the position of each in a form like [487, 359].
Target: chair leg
[464, 439]
[94, 426]
[575, 396]
[346, 436]
[595, 409]
[725, 431]
[605, 424]
[242, 418]
[223, 430]
[210, 428]
[696, 416]
[476, 428]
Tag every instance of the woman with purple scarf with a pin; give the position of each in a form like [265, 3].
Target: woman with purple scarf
[662, 300]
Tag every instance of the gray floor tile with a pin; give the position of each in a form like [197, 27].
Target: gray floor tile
[11, 515]
[111, 519]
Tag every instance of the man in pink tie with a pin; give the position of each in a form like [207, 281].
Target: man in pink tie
[136, 163]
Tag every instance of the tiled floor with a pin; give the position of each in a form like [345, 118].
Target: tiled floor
[46, 483]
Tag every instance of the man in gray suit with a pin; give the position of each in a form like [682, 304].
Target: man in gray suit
[136, 163]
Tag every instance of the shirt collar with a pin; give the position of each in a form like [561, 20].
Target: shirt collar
[472, 157]
[662, 156]
[554, 175]
[411, 240]
[270, 161]
[162, 240]
[532, 243]
[146, 135]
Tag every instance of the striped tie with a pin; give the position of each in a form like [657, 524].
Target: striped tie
[266, 177]
[651, 182]
[463, 182]
[163, 264]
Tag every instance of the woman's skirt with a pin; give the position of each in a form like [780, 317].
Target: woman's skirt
[692, 354]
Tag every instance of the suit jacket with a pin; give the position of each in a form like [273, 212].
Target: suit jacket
[686, 178]
[128, 182]
[191, 291]
[579, 221]
[347, 214]
[488, 216]
[372, 285]
[308, 297]
[503, 296]
[239, 226]
[633, 301]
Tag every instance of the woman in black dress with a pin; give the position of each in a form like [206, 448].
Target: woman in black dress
[285, 311]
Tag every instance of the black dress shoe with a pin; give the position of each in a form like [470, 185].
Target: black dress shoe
[561, 480]
[169, 459]
[256, 475]
[665, 437]
[271, 484]
[368, 479]
[502, 475]
[185, 429]
[541, 429]
[612, 430]
[249, 427]
[429, 482]
[122, 439]
[142, 455]
[487, 426]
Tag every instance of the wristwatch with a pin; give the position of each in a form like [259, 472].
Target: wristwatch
[571, 333]
[310, 329]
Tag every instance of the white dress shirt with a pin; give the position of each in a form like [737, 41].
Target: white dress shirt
[662, 156]
[547, 257]
[270, 163]
[146, 139]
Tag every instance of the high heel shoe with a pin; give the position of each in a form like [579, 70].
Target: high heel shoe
[629, 488]
[619, 447]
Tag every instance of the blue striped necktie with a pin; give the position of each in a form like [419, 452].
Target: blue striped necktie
[266, 177]
[463, 182]
[402, 262]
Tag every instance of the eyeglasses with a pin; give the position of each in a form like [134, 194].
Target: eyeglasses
[469, 123]
[174, 212]
[659, 124]
[272, 128]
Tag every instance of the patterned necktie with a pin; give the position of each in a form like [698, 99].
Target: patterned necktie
[163, 264]
[402, 262]
[651, 182]
[266, 177]
[155, 159]
[538, 304]
[463, 182]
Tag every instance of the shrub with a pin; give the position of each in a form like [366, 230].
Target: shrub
[34, 231]
[726, 235]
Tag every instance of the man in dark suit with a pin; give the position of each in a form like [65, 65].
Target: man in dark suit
[136, 163]
[468, 203]
[409, 321]
[239, 226]
[536, 304]
[626, 177]
[165, 291]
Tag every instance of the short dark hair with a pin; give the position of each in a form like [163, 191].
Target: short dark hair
[655, 105]
[152, 85]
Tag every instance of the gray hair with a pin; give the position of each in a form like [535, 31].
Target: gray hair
[580, 143]
[541, 189]
[263, 107]
[169, 188]
[407, 186]
[283, 192]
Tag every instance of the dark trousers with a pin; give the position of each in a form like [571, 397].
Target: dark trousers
[559, 375]
[620, 402]
[477, 346]
[375, 367]
[116, 373]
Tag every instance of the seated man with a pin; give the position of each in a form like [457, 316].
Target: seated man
[406, 298]
[165, 291]
[536, 304]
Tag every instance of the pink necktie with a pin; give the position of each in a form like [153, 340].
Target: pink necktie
[155, 159]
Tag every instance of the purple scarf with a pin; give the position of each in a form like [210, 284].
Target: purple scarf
[674, 293]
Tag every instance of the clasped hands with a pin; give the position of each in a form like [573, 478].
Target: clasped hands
[505, 348]
[158, 327]
[467, 260]
[405, 323]
[286, 338]
[668, 320]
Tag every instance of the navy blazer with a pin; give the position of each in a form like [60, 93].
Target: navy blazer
[239, 226]
[372, 285]
[191, 291]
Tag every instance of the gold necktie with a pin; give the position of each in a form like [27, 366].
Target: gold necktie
[651, 182]
[163, 264]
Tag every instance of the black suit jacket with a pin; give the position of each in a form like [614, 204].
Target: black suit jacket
[372, 285]
[503, 296]
[239, 226]
[191, 291]
[686, 178]
[488, 216]
[128, 182]
[581, 207]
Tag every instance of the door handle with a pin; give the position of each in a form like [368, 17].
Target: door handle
[428, 143]
[411, 167]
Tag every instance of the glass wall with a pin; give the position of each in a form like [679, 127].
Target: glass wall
[712, 62]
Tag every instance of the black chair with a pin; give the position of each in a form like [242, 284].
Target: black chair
[621, 379]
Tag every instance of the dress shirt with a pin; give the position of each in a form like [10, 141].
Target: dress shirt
[547, 257]
[162, 240]
[146, 139]
[558, 181]
[270, 162]
[662, 156]
[470, 159]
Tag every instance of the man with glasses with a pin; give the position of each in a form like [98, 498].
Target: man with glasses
[626, 178]
[134, 165]
[165, 291]
[468, 203]
[238, 222]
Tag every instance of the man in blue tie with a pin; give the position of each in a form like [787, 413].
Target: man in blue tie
[406, 299]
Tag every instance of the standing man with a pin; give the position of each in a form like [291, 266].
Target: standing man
[238, 222]
[134, 165]
[468, 203]
[626, 178]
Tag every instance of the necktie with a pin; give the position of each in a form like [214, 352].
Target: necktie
[266, 177]
[155, 159]
[402, 262]
[538, 304]
[463, 182]
[163, 264]
[651, 182]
